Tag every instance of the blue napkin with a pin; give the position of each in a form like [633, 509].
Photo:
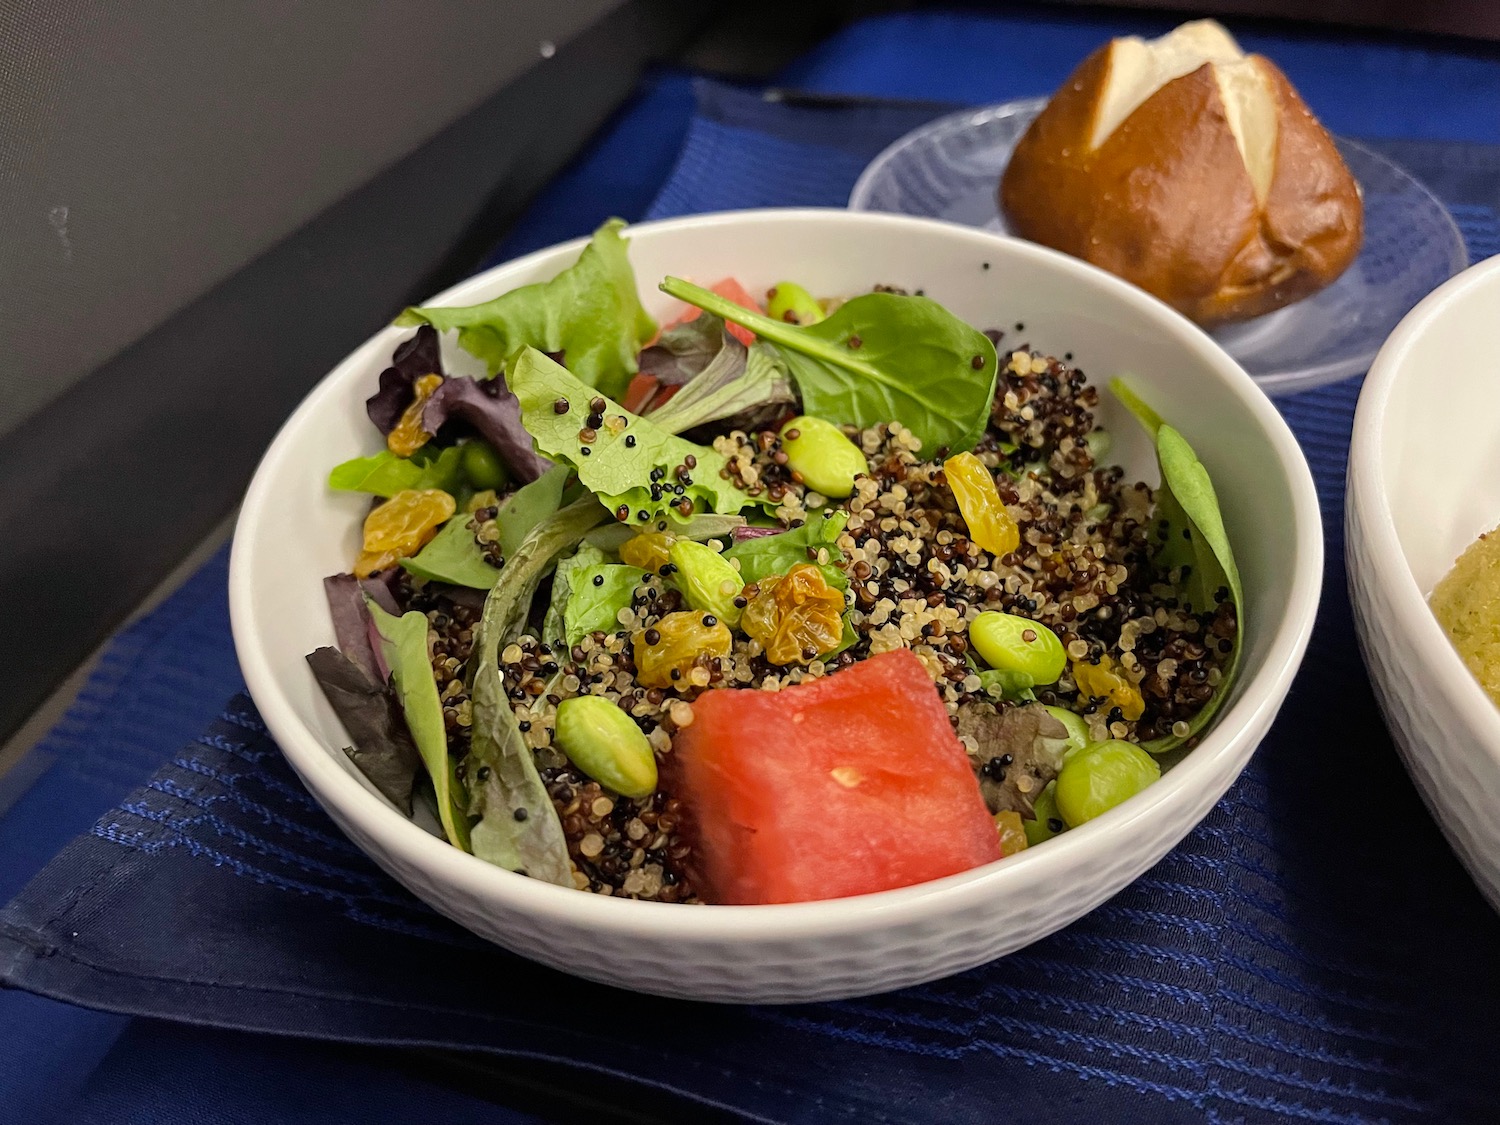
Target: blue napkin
[1311, 952]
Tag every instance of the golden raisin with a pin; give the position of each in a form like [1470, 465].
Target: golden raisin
[796, 616]
[408, 436]
[1012, 832]
[401, 527]
[650, 550]
[979, 501]
[669, 653]
[1105, 681]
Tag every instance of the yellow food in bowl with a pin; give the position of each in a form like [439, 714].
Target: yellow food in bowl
[1467, 605]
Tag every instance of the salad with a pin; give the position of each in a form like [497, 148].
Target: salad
[786, 599]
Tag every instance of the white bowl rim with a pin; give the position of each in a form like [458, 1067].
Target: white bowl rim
[1088, 844]
[1392, 572]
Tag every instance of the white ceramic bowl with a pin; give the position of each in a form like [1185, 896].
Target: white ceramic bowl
[293, 531]
[1424, 481]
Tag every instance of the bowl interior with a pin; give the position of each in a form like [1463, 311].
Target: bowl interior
[1440, 431]
[295, 530]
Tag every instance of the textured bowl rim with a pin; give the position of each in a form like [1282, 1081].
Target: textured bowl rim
[1232, 736]
[1390, 570]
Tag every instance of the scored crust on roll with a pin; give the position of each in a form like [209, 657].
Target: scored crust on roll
[1191, 169]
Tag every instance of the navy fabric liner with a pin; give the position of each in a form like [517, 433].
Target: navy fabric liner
[1312, 952]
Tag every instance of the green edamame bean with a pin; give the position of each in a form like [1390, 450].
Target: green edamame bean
[1099, 777]
[827, 460]
[603, 742]
[1018, 644]
[483, 467]
[794, 304]
[708, 581]
[1048, 822]
[1078, 730]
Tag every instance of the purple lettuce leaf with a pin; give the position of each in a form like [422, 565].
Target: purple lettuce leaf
[494, 414]
[352, 626]
[383, 749]
[418, 356]
[684, 350]
[740, 534]
[346, 604]
[488, 408]
[382, 589]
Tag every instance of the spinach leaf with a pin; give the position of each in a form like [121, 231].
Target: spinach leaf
[738, 381]
[554, 631]
[777, 554]
[617, 465]
[454, 557]
[590, 312]
[880, 358]
[1133, 402]
[1192, 534]
[528, 506]
[403, 642]
[536, 844]
[385, 474]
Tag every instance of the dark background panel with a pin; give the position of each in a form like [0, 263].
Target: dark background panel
[114, 480]
[115, 473]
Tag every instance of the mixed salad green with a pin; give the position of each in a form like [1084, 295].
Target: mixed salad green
[755, 498]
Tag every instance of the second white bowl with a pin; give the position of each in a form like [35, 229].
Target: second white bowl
[1424, 482]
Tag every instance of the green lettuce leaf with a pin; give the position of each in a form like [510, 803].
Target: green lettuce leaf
[618, 464]
[1001, 683]
[590, 312]
[880, 358]
[597, 594]
[385, 474]
[777, 554]
[454, 557]
[612, 536]
[1191, 532]
[403, 643]
[554, 630]
[534, 844]
[528, 506]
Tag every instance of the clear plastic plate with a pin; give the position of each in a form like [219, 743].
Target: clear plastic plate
[950, 169]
